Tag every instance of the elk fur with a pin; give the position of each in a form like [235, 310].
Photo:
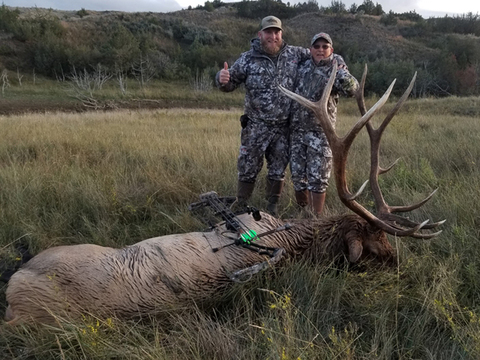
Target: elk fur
[161, 273]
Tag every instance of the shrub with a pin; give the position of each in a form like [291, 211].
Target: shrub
[82, 12]
[8, 18]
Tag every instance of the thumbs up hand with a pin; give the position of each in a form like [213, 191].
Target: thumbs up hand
[224, 76]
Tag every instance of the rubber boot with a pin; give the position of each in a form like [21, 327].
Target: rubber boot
[302, 198]
[318, 200]
[244, 192]
[273, 191]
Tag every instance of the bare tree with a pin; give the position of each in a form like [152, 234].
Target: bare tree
[83, 85]
[121, 78]
[144, 70]
[81, 81]
[202, 82]
[90, 81]
[477, 71]
[19, 77]
[61, 77]
[100, 76]
[5, 82]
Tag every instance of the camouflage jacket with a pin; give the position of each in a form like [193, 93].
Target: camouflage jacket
[312, 79]
[261, 76]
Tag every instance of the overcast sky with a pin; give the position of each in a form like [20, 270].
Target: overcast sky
[426, 8]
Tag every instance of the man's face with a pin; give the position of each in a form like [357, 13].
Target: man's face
[320, 50]
[271, 40]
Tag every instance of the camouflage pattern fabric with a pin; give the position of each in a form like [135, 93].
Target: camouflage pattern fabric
[310, 161]
[258, 140]
[267, 108]
[261, 75]
[310, 153]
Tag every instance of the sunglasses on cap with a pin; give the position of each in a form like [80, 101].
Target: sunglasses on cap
[318, 46]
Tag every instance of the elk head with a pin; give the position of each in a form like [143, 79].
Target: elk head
[386, 218]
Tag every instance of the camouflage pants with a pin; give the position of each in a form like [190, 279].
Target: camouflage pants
[310, 161]
[260, 140]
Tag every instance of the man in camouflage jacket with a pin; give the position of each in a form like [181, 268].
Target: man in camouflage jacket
[310, 153]
[270, 62]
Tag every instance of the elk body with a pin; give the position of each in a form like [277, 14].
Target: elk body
[158, 274]
[161, 273]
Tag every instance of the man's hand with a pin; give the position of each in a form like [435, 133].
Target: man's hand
[224, 76]
[339, 65]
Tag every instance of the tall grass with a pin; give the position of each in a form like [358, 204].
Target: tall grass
[116, 178]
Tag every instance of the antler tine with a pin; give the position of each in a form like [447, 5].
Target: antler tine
[348, 139]
[361, 90]
[383, 210]
[425, 236]
[359, 96]
[320, 109]
[402, 221]
[359, 191]
[399, 104]
[406, 227]
[375, 169]
[434, 225]
[413, 228]
[388, 168]
[413, 206]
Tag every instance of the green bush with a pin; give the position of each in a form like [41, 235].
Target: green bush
[8, 18]
[82, 12]
[389, 19]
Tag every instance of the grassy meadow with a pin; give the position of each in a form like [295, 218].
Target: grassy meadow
[29, 93]
[115, 178]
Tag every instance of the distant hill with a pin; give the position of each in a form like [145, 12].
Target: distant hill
[365, 35]
[179, 44]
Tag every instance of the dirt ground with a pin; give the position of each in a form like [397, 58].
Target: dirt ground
[15, 107]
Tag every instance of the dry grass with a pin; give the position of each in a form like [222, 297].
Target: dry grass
[120, 177]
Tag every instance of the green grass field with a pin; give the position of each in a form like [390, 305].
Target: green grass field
[40, 94]
[115, 178]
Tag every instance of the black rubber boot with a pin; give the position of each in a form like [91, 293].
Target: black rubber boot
[273, 192]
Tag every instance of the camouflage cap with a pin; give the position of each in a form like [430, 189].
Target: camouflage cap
[322, 35]
[269, 22]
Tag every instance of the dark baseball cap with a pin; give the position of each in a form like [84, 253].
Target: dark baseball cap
[322, 35]
[269, 22]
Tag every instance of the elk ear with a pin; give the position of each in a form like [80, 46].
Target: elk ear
[355, 249]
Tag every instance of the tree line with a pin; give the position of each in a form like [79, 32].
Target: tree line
[145, 46]
[461, 24]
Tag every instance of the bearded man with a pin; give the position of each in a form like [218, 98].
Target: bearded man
[270, 62]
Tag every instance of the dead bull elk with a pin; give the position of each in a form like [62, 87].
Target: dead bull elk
[160, 273]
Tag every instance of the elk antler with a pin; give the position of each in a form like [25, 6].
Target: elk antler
[385, 219]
